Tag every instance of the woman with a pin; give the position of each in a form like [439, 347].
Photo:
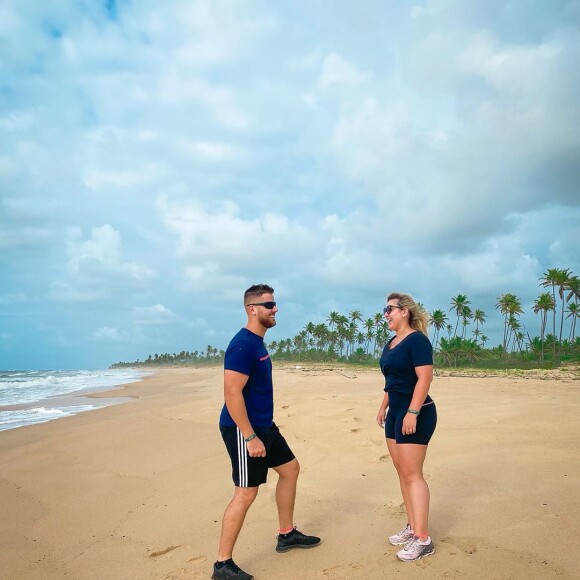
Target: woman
[407, 363]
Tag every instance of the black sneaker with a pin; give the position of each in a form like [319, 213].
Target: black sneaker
[295, 539]
[229, 571]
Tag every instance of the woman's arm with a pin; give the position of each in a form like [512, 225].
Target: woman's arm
[424, 378]
[383, 410]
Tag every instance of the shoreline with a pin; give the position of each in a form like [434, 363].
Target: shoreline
[60, 405]
[137, 491]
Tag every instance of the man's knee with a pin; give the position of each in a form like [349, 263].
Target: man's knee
[245, 495]
[295, 467]
[289, 470]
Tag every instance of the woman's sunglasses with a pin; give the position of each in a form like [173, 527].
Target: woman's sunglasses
[388, 309]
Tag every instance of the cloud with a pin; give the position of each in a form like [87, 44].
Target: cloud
[157, 162]
[211, 152]
[99, 179]
[511, 140]
[336, 70]
[222, 241]
[153, 315]
[96, 268]
[107, 334]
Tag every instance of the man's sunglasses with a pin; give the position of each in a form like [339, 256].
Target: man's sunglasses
[269, 305]
[388, 309]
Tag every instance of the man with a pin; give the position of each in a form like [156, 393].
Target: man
[252, 439]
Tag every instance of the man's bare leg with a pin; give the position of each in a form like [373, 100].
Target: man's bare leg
[233, 519]
[286, 492]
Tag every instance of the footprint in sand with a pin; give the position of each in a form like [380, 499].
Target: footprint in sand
[163, 552]
[354, 430]
[465, 546]
[286, 407]
[357, 419]
[385, 458]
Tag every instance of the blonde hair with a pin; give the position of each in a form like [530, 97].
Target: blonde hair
[418, 316]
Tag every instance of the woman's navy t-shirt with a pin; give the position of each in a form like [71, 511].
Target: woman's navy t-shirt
[247, 354]
[398, 363]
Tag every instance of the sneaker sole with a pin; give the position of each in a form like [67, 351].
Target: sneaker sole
[288, 548]
[418, 558]
[214, 577]
[398, 543]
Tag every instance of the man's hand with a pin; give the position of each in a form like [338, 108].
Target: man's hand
[256, 448]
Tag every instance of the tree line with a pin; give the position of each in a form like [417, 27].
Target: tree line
[458, 334]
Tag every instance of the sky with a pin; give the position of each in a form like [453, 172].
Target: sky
[156, 159]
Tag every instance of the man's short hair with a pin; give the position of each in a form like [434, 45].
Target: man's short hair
[256, 291]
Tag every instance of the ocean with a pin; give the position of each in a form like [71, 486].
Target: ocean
[29, 397]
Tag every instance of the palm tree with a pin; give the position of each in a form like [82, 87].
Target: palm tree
[351, 331]
[543, 304]
[466, 316]
[478, 318]
[309, 328]
[369, 325]
[550, 278]
[342, 331]
[574, 289]
[574, 295]
[449, 328]
[514, 328]
[509, 305]
[562, 281]
[383, 333]
[321, 336]
[458, 303]
[574, 314]
[439, 320]
[333, 322]
[379, 320]
[355, 316]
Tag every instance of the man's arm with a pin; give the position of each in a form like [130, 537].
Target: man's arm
[234, 384]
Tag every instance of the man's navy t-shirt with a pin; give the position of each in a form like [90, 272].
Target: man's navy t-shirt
[247, 354]
[398, 363]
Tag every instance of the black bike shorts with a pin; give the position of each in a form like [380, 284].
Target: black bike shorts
[426, 421]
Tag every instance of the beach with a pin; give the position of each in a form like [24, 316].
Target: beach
[137, 490]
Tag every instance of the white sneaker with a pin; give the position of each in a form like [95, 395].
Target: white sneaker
[416, 549]
[402, 536]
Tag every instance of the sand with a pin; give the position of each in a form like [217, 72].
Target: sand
[137, 490]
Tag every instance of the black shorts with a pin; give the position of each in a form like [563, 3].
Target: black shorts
[253, 471]
[426, 421]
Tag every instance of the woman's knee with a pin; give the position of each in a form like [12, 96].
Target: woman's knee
[410, 473]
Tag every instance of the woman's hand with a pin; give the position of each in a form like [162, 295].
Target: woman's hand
[381, 417]
[409, 424]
